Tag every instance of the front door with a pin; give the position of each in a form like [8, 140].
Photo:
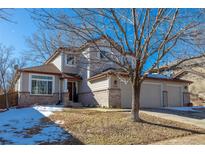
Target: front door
[70, 90]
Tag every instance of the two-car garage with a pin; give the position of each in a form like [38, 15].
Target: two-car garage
[152, 94]
[155, 92]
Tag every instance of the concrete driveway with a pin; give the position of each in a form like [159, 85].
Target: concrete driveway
[185, 115]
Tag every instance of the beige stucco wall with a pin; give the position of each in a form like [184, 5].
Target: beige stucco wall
[24, 82]
[96, 94]
[58, 61]
[101, 98]
[99, 84]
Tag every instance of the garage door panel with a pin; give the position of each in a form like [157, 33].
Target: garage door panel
[150, 95]
[174, 96]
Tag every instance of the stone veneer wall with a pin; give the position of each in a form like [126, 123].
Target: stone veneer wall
[95, 98]
[65, 98]
[25, 99]
[114, 98]
[103, 98]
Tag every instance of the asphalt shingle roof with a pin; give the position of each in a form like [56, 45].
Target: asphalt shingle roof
[47, 68]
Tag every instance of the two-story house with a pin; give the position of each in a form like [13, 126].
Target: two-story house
[83, 75]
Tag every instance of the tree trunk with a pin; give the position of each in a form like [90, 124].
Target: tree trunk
[6, 98]
[136, 86]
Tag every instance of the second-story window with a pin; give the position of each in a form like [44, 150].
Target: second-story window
[70, 60]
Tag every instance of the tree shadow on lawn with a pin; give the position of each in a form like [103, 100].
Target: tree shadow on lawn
[199, 115]
[71, 141]
[200, 131]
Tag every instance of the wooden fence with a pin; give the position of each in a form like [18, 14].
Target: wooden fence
[12, 100]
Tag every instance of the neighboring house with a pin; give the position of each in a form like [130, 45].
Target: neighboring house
[84, 75]
[196, 74]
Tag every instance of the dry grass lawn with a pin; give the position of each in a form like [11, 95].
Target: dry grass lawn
[97, 127]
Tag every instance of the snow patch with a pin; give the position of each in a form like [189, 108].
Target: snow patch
[47, 110]
[15, 123]
[59, 122]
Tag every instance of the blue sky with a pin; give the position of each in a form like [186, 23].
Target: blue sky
[14, 34]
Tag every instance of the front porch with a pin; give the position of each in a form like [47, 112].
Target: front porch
[69, 92]
[48, 89]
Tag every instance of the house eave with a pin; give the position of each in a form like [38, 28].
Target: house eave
[105, 74]
[39, 72]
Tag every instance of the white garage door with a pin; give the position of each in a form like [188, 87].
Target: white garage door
[150, 95]
[174, 96]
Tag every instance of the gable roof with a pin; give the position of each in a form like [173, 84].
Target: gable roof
[57, 52]
[50, 69]
[185, 72]
[73, 49]
[43, 69]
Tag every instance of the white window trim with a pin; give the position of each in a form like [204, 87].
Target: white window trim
[53, 83]
[75, 61]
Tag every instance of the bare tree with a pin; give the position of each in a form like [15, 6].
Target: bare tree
[6, 63]
[140, 40]
[17, 63]
[42, 44]
[5, 15]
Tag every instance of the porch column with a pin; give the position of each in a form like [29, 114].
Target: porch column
[65, 96]
[65, 88]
